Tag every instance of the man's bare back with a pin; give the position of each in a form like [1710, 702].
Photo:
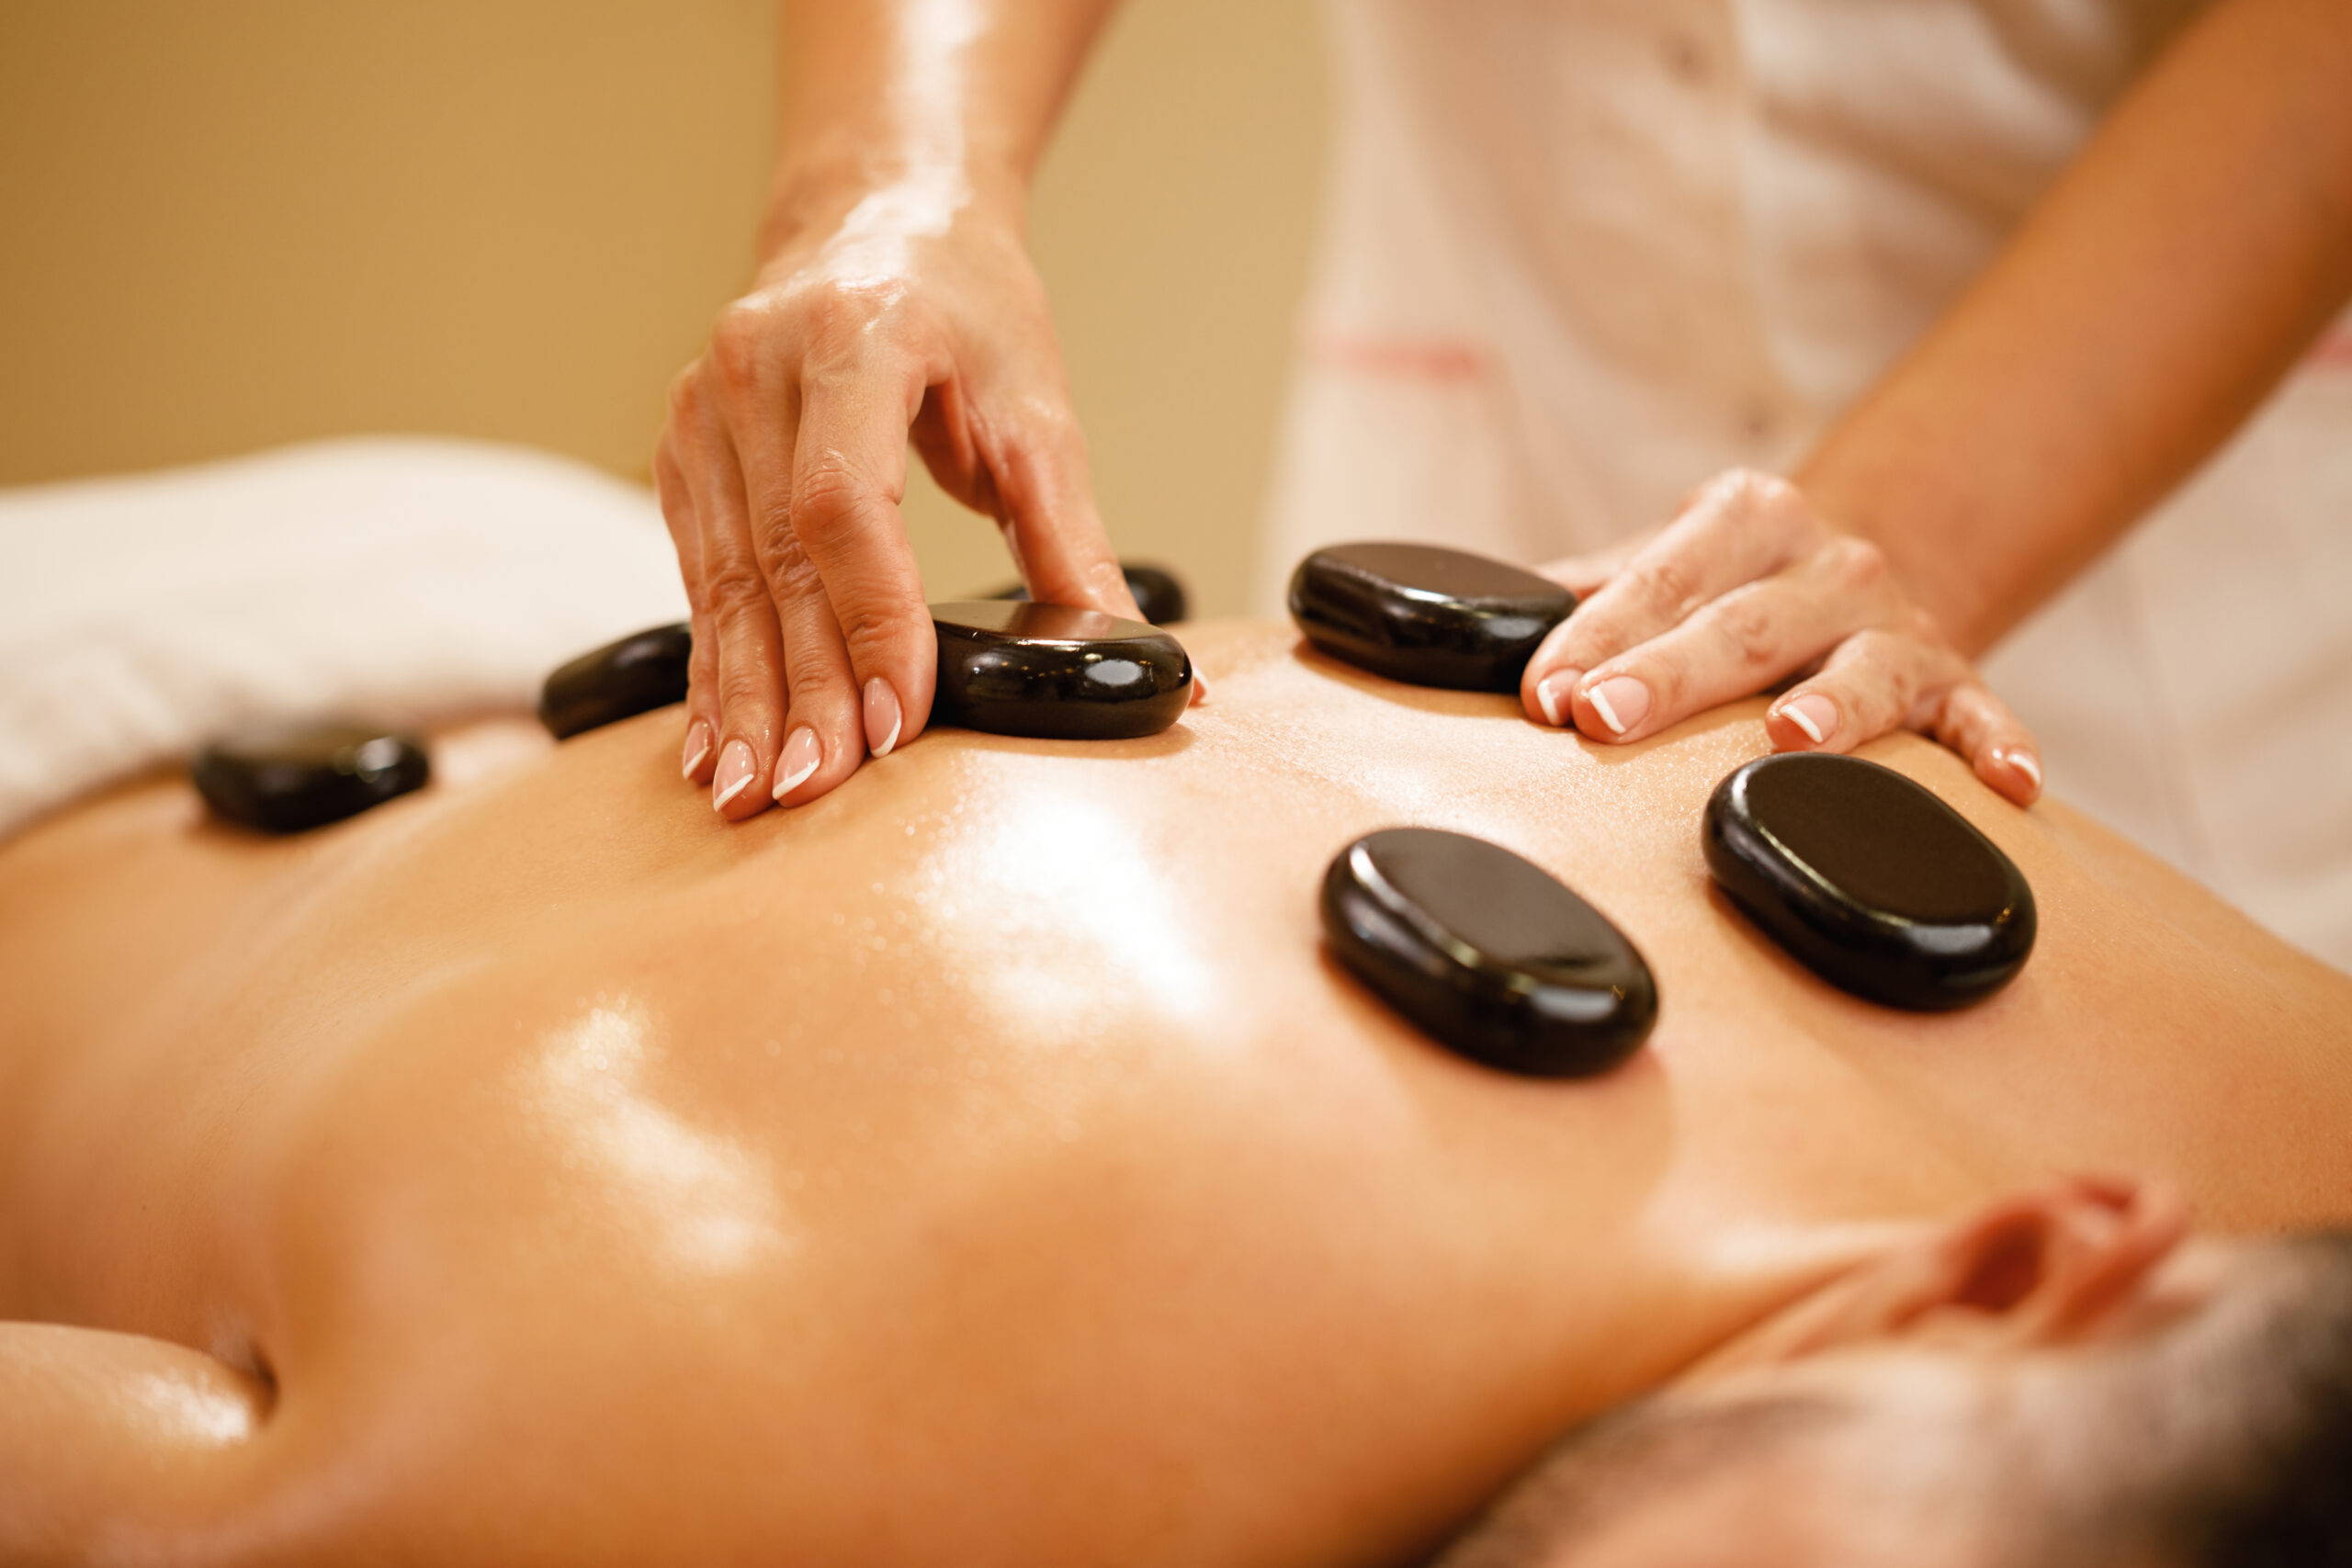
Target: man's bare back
[985, 1162]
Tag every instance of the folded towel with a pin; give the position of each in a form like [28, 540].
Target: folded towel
[399, 579]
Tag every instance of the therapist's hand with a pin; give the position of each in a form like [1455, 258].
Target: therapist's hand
[1746, 588]
[894, 312]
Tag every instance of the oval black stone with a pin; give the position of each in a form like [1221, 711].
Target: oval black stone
[1013, 668]
[1160, 593]
[1425, 614]
[1870, 880]
[1487, 953]
[618, 681]
[288, 778]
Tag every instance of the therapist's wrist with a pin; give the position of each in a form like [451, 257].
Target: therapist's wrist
[1899, 504]
[814, 196]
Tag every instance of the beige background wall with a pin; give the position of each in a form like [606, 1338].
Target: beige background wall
[242, 222]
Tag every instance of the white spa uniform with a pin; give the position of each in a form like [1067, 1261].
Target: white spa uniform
[1580, 254]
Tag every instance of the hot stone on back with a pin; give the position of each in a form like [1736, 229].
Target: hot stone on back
[1488, 953]
[1426, 614]
[1870, 880]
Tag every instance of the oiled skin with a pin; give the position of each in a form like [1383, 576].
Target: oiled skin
[983, 1164]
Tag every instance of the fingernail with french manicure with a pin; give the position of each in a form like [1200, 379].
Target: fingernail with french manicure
[698, 746]
[2023, 762]
[883, 717]
[1553, 691]
[736, 766]
[1620, 700]
[1813, 714]
[802, 756]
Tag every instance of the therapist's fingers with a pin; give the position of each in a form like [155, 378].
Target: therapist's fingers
[1979, 726]
[1050, 523]
[747, 660]
[824, 734]
[1737, 643]
[1020, 455]
[849, 476]
[824, 729]
[1586, 575]
[700, 751]
[1740, 528]
[1886, 679]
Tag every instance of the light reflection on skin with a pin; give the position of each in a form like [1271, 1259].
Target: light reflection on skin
[1066, 869]
[186, 1411]
[712, 1207]
[873, 248]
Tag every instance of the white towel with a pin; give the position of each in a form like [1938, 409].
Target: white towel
[396, 580]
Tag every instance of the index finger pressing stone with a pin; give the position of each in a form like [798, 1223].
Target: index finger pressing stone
[1425, 614]
[1159, 593]
[1870, 880]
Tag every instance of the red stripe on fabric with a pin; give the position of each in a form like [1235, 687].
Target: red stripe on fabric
[1428, 359]
[2335, 349]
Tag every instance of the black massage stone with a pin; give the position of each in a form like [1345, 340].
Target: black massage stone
[617, 681]
[290, 778]
[1424, 615]
[1870, 880]
[1013, 668]
[1488, 954]
[1159, 593]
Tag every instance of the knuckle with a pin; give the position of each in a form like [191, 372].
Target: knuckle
[733, 592]
[1859, 563]
[686, 394]
[1925, 628]
[832, 496]
[1767, 503]
[869, 632]
[839, 321]
[738, 345]
[1888, 670]
[744, 691]
[1748, 632]
[791, 574]
[1670, 587]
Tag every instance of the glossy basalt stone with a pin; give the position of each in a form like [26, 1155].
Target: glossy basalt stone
[1160, 593]
[1488, 953]
[1426, 614]
[1046, 671]
[1870, 880]
[290, 778]
[618, 681]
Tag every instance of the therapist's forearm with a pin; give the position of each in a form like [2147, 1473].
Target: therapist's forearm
[950, 101]
[2166, 283]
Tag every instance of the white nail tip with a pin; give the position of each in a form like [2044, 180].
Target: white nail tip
[1803, 721]
[696, 761]
[784, 787]
[731, 792]
[2023, 762]
[1549, 701]
[1608, 715]
[891, 740]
